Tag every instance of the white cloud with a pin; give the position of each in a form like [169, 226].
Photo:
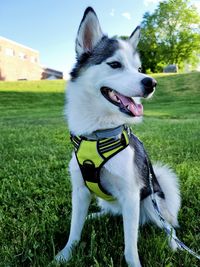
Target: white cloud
[127, 15]
[112, 12]
[150, 2]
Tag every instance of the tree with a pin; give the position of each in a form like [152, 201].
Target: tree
[171, 35]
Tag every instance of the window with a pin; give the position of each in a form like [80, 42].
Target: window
[9, 52]
[22, 56]
[33, 59]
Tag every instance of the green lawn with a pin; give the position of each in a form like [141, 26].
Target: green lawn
[35, 193]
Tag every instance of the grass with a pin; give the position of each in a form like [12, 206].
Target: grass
[35, 190]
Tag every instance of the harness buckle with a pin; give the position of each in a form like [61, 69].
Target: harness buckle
[89, 170]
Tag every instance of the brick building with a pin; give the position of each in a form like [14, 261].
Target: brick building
[19, 62]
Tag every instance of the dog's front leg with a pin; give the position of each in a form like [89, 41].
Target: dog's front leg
[130, 212]
[81, 198]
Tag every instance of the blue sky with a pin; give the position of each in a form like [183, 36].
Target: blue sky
[50, 26]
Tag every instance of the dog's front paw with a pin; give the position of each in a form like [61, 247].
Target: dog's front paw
[64, 255]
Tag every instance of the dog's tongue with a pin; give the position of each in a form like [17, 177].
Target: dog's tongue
[135, 109]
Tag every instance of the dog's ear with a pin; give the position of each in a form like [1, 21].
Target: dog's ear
[135, 37]
[89, 32]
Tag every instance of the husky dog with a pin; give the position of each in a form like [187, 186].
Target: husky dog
[104, 93]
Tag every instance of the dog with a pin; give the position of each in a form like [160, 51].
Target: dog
[103, 95]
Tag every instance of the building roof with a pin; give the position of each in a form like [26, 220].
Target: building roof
[52, 71]
[15, 43]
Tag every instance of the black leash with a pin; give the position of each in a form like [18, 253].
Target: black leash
[169, 229]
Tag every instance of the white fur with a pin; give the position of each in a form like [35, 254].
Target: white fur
[87, 110]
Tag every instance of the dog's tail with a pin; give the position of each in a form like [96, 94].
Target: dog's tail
[170, 205]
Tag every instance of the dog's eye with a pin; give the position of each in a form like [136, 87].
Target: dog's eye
[115, 64]
[140, 69]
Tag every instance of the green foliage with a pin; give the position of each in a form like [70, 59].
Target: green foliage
[35, 192]
[170, 35]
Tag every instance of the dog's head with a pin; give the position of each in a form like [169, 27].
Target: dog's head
[109, 71]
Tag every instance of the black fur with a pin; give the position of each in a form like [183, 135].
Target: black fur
[103, 50]
[144, 166]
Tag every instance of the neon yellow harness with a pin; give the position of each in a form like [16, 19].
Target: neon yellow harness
[93, 154]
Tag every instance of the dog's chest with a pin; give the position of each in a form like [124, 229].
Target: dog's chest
[120, 170]
[120, 174]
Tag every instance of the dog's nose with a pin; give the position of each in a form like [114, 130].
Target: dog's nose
[149, 85]
[149, 82]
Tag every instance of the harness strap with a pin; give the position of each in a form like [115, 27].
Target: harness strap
[106, 133]
[92, 154]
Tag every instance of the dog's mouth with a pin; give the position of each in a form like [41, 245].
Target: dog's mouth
[126, 104]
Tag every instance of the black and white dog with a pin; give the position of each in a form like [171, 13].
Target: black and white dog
[104, 92]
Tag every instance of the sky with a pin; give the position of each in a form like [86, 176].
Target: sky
[50, 26]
